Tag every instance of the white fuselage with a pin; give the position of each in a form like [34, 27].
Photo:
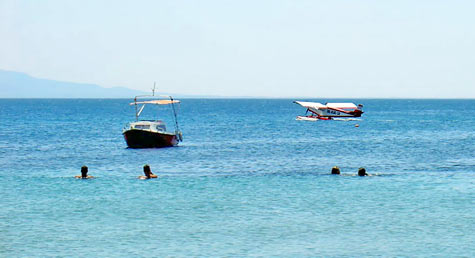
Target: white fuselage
[328, 112]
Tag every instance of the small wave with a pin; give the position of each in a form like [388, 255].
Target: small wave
[347, 119]
[371, 175]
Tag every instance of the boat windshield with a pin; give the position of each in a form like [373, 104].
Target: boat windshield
[142, 126]
[161, 128]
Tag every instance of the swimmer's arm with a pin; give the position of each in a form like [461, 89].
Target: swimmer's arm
[153, 176]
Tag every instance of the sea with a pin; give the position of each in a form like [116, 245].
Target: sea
[248, 180]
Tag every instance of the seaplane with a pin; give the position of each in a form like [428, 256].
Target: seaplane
[330, 111]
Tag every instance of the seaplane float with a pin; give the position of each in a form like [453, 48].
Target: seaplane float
[151, 133]
[330, 111]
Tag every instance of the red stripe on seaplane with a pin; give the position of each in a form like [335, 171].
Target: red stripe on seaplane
[341, 110]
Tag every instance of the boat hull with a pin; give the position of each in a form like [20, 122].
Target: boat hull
[146, 139]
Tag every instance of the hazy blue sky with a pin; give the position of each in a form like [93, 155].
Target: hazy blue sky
[270, 48]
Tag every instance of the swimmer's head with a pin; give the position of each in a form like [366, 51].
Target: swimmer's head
[362, 172]
[335, 170]
[84, 170]
[146, 170]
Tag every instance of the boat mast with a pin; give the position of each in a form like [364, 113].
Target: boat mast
[136, 111]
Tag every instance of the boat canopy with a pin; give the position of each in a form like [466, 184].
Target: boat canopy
[156, 102]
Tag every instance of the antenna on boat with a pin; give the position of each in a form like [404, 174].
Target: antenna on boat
[177, 129]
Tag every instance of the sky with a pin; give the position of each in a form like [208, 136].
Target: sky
[266, 48]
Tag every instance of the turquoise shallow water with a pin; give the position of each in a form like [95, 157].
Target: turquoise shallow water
[248, 180]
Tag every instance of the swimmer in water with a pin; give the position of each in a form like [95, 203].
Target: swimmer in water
[362, 172]
[84, 175]
[148, 173]
[335, 170]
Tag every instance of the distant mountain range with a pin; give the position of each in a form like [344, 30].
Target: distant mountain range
[21, 85]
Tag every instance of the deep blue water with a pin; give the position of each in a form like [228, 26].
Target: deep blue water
[248, 180]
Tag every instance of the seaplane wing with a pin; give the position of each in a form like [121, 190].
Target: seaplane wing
[314, 105]
[329, 111]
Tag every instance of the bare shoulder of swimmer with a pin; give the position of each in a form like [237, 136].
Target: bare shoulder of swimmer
[80, 177]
